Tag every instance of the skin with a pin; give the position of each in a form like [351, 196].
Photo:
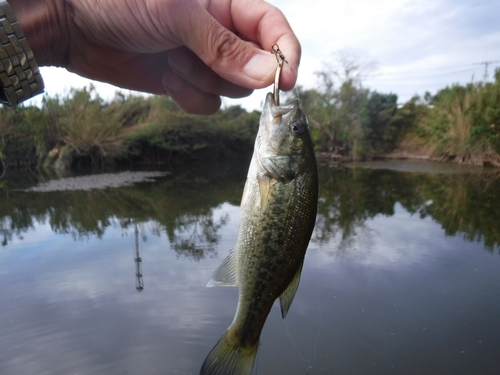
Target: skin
[274, 232]
[271, 253]
[192, 50]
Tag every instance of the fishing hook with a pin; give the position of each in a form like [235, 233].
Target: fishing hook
[275, 49]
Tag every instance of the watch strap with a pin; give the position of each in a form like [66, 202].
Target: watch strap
[20, 77]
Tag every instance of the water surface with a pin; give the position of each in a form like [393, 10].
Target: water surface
[402, 275]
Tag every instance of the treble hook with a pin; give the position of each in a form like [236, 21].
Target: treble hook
[275, 49]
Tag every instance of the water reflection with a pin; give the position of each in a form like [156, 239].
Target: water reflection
[396, 280]
[183, 206]
[462, 203]
[139, 282]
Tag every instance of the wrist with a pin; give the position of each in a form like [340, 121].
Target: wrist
[43, 23]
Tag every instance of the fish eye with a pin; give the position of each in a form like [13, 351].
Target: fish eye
[297, 127]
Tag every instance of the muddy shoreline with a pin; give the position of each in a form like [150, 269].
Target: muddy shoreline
[97, 181]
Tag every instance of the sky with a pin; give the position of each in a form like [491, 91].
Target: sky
[417, 45]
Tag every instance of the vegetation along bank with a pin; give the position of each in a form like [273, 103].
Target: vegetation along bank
[459, 123]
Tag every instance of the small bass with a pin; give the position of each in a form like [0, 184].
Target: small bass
[278, 213]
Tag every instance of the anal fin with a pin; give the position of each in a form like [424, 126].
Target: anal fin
[287, 296]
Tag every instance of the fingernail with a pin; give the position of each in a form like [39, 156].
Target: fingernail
[261, 66]
[172, 83]
[294, 70]
[289, 77]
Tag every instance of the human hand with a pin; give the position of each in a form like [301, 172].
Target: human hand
[193, 50]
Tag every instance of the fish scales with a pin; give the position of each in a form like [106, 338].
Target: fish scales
[272, 245]
[278, 212]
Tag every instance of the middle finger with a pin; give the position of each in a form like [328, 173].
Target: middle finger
[190, 68]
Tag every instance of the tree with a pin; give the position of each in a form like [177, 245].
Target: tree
[382, 131]
[340, 115]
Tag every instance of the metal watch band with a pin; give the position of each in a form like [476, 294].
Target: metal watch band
[20, 77]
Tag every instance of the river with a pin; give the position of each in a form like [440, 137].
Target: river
[402, 275]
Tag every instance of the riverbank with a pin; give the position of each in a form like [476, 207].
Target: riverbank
[482, 160]
[488, 160]
[331, 159]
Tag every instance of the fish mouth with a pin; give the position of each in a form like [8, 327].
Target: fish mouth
[275, 114]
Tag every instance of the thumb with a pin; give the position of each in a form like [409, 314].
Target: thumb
[238, 61]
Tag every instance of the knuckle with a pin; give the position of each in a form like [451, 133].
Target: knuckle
[224, 46]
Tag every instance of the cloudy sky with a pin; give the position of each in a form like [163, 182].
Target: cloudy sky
[418, 45]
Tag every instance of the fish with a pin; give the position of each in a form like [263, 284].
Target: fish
[278, 214]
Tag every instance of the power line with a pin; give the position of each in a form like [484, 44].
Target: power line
[462, 69]
[395, 74]
[425, 70]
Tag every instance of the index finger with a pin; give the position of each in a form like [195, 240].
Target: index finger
[263, 24]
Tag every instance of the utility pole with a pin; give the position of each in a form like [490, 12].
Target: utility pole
[486, 64]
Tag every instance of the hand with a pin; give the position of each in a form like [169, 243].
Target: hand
[193, 50]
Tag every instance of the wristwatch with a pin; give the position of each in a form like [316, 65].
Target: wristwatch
[20, 77]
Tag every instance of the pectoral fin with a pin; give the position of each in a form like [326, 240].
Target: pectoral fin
[287, 296]
[225, 274]
[264, 187]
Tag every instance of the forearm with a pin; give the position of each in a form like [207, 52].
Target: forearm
[44, 24]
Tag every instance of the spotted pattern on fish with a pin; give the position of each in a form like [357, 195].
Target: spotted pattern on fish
[278, 212]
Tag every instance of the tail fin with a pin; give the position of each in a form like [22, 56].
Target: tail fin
[229, 358]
